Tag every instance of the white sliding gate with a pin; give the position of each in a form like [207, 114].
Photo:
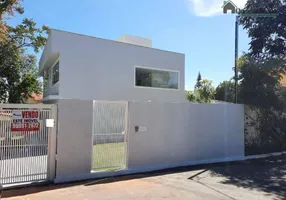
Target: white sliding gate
[110, 121]
[27, 145]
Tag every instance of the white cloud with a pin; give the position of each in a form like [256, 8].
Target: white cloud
[207, 8]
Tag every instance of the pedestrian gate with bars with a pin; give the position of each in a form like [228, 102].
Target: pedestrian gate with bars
[27, 152]
[109, 145]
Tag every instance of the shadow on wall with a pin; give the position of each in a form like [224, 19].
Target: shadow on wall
[266, 175]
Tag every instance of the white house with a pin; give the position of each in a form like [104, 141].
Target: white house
[76, 66]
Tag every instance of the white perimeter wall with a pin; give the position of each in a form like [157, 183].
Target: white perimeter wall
[177, 134]
[183, 132]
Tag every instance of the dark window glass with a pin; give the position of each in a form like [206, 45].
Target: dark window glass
[56, 73]
[156, 78]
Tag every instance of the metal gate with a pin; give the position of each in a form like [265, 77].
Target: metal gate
[27, 148]
[109, 135]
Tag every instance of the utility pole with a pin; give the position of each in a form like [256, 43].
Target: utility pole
[236, 43]
[236, 58]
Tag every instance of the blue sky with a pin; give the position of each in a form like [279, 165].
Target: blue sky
[196, 28]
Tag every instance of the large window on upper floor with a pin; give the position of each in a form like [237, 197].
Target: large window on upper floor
[156, 78]
[56, 73]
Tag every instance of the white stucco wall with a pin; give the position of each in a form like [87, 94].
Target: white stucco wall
[183, 133]
[93, 68]
[177, 134]
[74, 138]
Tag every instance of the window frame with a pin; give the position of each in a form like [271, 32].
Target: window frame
[52, 73]
[158, 69]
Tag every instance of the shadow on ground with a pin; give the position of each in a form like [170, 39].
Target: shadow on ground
[32, 189]
[268, 175]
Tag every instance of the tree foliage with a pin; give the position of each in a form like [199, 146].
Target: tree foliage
[265, 103]
[17, 66]
[191, 96]
[206, 91]
[259, 88]
[27, 35]
[267, 34]
[198, 84]
[7, 9]
[204, 94]
[225, 91]
[261, 69]
[260, 81]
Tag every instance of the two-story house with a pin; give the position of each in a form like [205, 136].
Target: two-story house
[76, 66]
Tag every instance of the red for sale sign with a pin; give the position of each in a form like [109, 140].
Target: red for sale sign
[25, 120]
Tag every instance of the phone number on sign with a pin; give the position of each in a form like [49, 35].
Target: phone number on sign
[25, 126]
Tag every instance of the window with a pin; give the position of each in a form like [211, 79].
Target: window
[46, 79]
[56, 73]
[155, 78]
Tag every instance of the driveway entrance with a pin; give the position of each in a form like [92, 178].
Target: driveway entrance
[27, 143]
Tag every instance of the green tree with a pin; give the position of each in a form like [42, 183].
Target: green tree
[260, 89]
[260, 75]
[191, 96]
[204, 94]
[260, 81]
[198, 84]
[225, 91]
[267, 34]
[18, 67]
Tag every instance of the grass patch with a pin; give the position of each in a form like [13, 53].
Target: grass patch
[109, 156]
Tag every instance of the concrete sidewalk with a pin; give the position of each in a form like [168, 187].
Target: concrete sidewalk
[256, 179]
